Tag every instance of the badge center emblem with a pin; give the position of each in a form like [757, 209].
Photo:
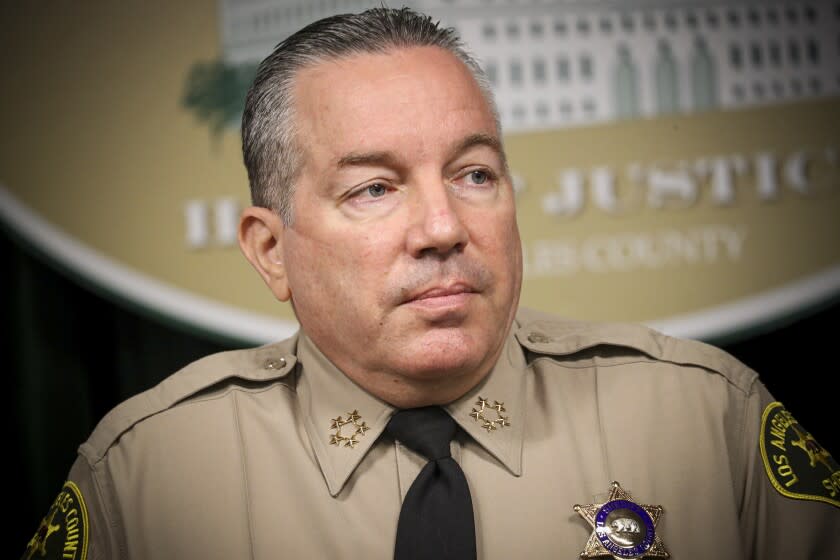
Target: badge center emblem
[624, 528]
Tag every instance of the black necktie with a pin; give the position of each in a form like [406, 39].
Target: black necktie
[436, 519]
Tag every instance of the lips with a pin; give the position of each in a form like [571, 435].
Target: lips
[440, 292]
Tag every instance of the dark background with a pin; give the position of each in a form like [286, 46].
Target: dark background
[71, 354]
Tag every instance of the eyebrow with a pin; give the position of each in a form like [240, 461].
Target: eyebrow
[481, 139]
[389, 159]
[385, 158]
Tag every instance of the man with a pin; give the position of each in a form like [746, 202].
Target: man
[384, 213]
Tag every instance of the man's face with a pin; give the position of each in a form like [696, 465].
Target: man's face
[404, 259]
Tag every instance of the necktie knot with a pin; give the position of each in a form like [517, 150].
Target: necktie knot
[427, 430]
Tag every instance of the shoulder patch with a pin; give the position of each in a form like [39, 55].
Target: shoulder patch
[63, 532]
[797, 466]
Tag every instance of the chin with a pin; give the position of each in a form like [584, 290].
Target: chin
[443, 355]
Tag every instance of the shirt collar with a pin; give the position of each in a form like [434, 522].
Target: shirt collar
[493, 412]
[335, 408]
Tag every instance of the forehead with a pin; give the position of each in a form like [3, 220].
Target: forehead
[411, 97]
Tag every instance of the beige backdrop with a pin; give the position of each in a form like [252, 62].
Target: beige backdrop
[97, 142]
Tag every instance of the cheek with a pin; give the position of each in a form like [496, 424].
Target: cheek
[330, 269]
[497, 234]
[368, 251]
[502, 249]
[308, 265]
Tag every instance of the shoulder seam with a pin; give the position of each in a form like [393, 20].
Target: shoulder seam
[110, 502]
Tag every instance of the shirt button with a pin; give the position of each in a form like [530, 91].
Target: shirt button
[274, 364]
[538, 338]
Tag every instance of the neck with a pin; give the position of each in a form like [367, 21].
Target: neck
[410, 392]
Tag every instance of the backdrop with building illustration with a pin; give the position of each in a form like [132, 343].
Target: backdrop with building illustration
[556, 64]
[675, 161]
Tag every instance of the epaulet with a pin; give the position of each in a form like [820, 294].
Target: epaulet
[546, 334]
[265, 363]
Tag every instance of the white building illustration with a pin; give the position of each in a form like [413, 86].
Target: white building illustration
[557, 64]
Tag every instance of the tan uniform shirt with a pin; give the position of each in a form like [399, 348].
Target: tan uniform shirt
[274, 453]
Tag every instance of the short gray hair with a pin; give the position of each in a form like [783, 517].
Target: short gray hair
[272, 156]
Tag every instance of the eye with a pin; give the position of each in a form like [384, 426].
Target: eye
[479, 177]
[377, 190]
[477, 183]
[373, 198]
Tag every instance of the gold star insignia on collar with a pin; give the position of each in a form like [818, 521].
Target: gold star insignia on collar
[350, 441]
[487, 423]
[621, 528]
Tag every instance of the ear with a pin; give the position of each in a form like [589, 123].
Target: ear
[261, 240]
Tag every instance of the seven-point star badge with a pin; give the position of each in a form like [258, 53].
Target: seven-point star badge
[621, 528]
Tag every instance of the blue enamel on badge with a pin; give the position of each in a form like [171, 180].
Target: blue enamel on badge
[622, 528]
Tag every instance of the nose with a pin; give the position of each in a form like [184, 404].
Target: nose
[437, 227]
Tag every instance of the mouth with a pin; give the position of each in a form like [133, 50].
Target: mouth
[434, 292]
[442, 297]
